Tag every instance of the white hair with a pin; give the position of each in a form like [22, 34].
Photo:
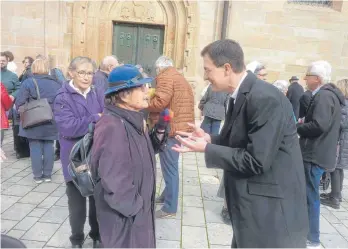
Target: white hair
[107, 61]
[282, 85]
[163, 62]
[322, 69]
[255, 67]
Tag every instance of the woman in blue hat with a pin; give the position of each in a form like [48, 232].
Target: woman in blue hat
[123, 162]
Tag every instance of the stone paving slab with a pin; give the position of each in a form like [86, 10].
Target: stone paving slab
[38, 214]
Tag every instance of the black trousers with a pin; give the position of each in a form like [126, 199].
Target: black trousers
[57, 152]
[20, 144]
[337, 177]
[77, 211]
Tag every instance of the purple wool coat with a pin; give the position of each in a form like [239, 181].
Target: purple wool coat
[123, 160]
[73, 114]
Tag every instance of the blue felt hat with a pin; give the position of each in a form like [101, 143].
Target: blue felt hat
[125, 77]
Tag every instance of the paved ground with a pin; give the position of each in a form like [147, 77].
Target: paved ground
[38, 214]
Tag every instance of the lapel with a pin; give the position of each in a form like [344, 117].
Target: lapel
[244, 88]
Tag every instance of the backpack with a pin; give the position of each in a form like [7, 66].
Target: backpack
[79, 167]
[58, 75]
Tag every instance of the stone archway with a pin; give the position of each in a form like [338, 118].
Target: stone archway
[92, 23]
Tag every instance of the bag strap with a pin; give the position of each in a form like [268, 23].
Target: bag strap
[36, 87]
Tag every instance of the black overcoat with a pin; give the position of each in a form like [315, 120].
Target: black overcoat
[259, 151]
[124, 159]
[294, 93]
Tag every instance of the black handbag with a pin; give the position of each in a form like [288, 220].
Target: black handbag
[79, 167]
[36, 112]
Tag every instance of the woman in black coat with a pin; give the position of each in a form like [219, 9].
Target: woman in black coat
[123, 163]
[334, 198]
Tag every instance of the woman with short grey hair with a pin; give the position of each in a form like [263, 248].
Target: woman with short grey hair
[282, 85]
[77, 105]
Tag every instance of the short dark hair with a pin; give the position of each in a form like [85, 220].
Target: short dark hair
[4, 55]
[9, 55]
[30, 59]
[226, 51]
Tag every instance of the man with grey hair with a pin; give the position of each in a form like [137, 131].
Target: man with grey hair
[319, 131]
[258, 69]
[100, 78]
[175, 93]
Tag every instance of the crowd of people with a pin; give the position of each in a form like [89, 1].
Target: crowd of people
[275, 144]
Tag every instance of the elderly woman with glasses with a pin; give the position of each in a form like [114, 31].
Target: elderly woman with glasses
[123, 162]
[78, 104]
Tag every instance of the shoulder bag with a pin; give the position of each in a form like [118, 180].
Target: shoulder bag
[36, 112]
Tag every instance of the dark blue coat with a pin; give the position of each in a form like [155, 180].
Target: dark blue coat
[100, 80]
[48, 89]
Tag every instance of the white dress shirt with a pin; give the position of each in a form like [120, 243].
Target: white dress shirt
[235, 93]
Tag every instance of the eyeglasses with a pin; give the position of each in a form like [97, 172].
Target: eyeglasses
[83, 74]
[308, 75]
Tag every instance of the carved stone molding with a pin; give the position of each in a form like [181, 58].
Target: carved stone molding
[93, 27]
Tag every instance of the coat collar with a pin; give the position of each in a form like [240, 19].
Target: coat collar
[136, 119]
[244, 88]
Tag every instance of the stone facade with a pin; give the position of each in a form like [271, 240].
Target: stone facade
[285, 36]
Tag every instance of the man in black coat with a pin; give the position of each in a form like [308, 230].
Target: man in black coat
[319, 134]
[294, 93]
[259, 151]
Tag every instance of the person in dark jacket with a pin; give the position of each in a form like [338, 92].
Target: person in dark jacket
[304, 103]
[213, 107]
[8, 78]
[318, 138]
[294, 93]
[334, 198]
[123, 159]
[41, 137]
[259, 151]
[78, 104]
[100, 79]
[27, 68]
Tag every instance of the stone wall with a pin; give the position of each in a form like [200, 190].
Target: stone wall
[287, 36]
[29, 28]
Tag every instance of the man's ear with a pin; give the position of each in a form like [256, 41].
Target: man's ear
[228, 69]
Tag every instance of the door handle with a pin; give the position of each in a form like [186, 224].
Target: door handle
[121, 39]
[155, 41]
[129, 37]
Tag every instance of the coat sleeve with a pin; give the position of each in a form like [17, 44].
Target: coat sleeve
[321, 118]
[6, 101]
[116, 170]
[163, 95]
[304, 103]
[16, 85]
[23, 95]
[344, 118]
[204, 99]
[265, 121]
[68, 124]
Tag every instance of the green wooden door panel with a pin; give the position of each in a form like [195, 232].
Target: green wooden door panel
[150, 47]
[125, 43]
[138, 44]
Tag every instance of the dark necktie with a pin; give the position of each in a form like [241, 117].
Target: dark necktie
[229, 111]
[224, 131]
